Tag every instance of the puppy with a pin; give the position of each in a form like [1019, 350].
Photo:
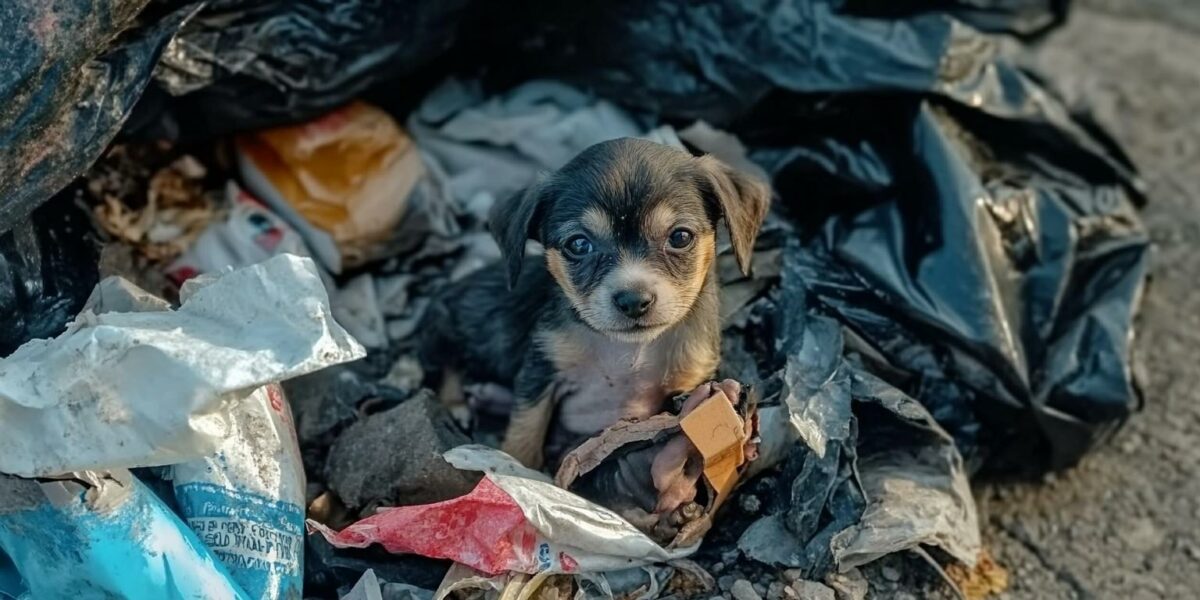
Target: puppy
[621, 312]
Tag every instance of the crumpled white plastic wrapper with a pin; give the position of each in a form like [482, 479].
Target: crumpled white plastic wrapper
[134, 389]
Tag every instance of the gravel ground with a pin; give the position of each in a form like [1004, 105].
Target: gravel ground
[1126, 522]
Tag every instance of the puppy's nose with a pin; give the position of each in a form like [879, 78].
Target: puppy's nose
[633, 303]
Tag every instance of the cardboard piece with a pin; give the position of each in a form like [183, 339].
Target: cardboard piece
[719, 434]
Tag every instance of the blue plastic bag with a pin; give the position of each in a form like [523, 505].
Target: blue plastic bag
[105, 535]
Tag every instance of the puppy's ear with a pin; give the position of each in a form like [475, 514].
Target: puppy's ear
[743, 201]
[515, 220]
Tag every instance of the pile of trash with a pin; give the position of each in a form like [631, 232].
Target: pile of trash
[224, 221]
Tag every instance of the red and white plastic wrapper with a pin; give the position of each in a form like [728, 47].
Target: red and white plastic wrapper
[510, 523]
[250, 234]
[132, 383]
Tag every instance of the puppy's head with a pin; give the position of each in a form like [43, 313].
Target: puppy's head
[629, 228]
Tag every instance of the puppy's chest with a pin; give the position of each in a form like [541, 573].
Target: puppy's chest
[608, 380]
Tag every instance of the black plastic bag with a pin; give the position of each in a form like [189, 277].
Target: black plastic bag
[714, 60]
[48, 267]
[994, 279]
[244, 64]
[69, 76]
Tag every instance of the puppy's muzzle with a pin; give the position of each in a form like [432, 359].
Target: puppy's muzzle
[633, 303]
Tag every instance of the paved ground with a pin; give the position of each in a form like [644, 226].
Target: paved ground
[1126, 523]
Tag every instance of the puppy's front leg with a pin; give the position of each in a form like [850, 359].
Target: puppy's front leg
[537, 396]
[525, 438]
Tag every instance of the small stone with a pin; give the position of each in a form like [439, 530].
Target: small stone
[761, 589]
[744, 590]
[790, 594]
[793, 575]
[811, 590]
[890, 574]
[726, 582]
[850, 585]
[1192, 551]
[750, 503]
[1130, 443]
[718, 567]
[775, 590]
[412, 471]
[1141, 535]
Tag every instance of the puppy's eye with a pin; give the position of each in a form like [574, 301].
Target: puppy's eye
[680, 239]
[578, 246]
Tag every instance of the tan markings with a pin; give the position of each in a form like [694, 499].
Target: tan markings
[660, 221]
[694, 348]
[692, 365]
[695, 343]
[597, 222]
[565, 347]
[557, 265]
[707, 246]
[525, 436]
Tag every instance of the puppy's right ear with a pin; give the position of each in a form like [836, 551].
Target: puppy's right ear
[515, 220]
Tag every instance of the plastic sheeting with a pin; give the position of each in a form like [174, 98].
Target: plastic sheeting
[47, 270]
[66, 88]
[89, 535]
[872, 473]
[987, 278]
[245, 64]
[101, 384]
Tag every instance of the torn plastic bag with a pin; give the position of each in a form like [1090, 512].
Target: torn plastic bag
[913, 479]
[870, 460]
[246, 501]
[245, 64]
[509, 523]
[100, 386]
[992, 281]
[47, 270]
[98, 534]
[66, 88]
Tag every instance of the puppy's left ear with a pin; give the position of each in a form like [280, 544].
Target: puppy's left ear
[743, 201]
[515, 220]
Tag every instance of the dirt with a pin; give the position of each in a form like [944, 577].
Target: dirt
[1126, 522]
